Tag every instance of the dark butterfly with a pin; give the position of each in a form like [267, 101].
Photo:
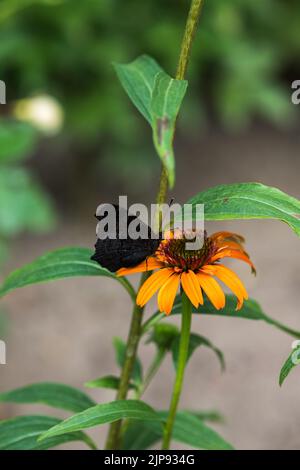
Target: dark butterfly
[116, 252]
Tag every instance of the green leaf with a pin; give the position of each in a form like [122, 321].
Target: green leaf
[188, 429]
[292, 361]
[137, 79]
[167, 97]
[249, 201]
[120, 350]
[251, 310]
[17, 140]
[58, 264]
[108, 381]
[21, 433]
[104, 413]
[140, 435]
[195, 342]
[23, 203]
[51, 394]
[158, 97]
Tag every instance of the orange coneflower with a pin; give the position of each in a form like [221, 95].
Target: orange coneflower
[194, 270]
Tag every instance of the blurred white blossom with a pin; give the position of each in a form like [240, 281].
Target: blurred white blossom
[43, 112]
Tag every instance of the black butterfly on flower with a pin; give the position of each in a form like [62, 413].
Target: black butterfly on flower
[117, 251]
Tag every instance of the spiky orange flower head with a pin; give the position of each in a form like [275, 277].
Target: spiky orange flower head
[194, 270]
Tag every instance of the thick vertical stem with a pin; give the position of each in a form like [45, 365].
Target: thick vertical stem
[188, 37]
[113, 438]
[186, 319]
[161, 197]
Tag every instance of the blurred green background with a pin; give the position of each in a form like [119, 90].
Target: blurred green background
[64, 48]
[70, 139]
[242, 60]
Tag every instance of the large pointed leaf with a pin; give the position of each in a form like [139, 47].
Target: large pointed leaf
[140, 435]
[292, 361]
[158, 97]
[58, 264]
[188, 429]
[137, 79]
[104, 413]
[21, 433]
[251, 310]
[51, 394]
[167, 97]
[249, 201]
[196, 341]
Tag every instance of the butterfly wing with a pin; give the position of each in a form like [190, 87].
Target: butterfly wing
[115, 253]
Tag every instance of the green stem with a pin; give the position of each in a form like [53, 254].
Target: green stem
[155, 365]
[185, 52]
[128, 287]
[163, 187]
[113, 438]
[161, 198]
[152, 321]
[188, 37]
[186, 320]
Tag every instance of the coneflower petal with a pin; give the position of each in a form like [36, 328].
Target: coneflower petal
[225, 236]
[191, 287]
[231, 245]
[212, 290]
[233, 254]
[167, 294]
[147, 265]
[231, 280]
[152, 284]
